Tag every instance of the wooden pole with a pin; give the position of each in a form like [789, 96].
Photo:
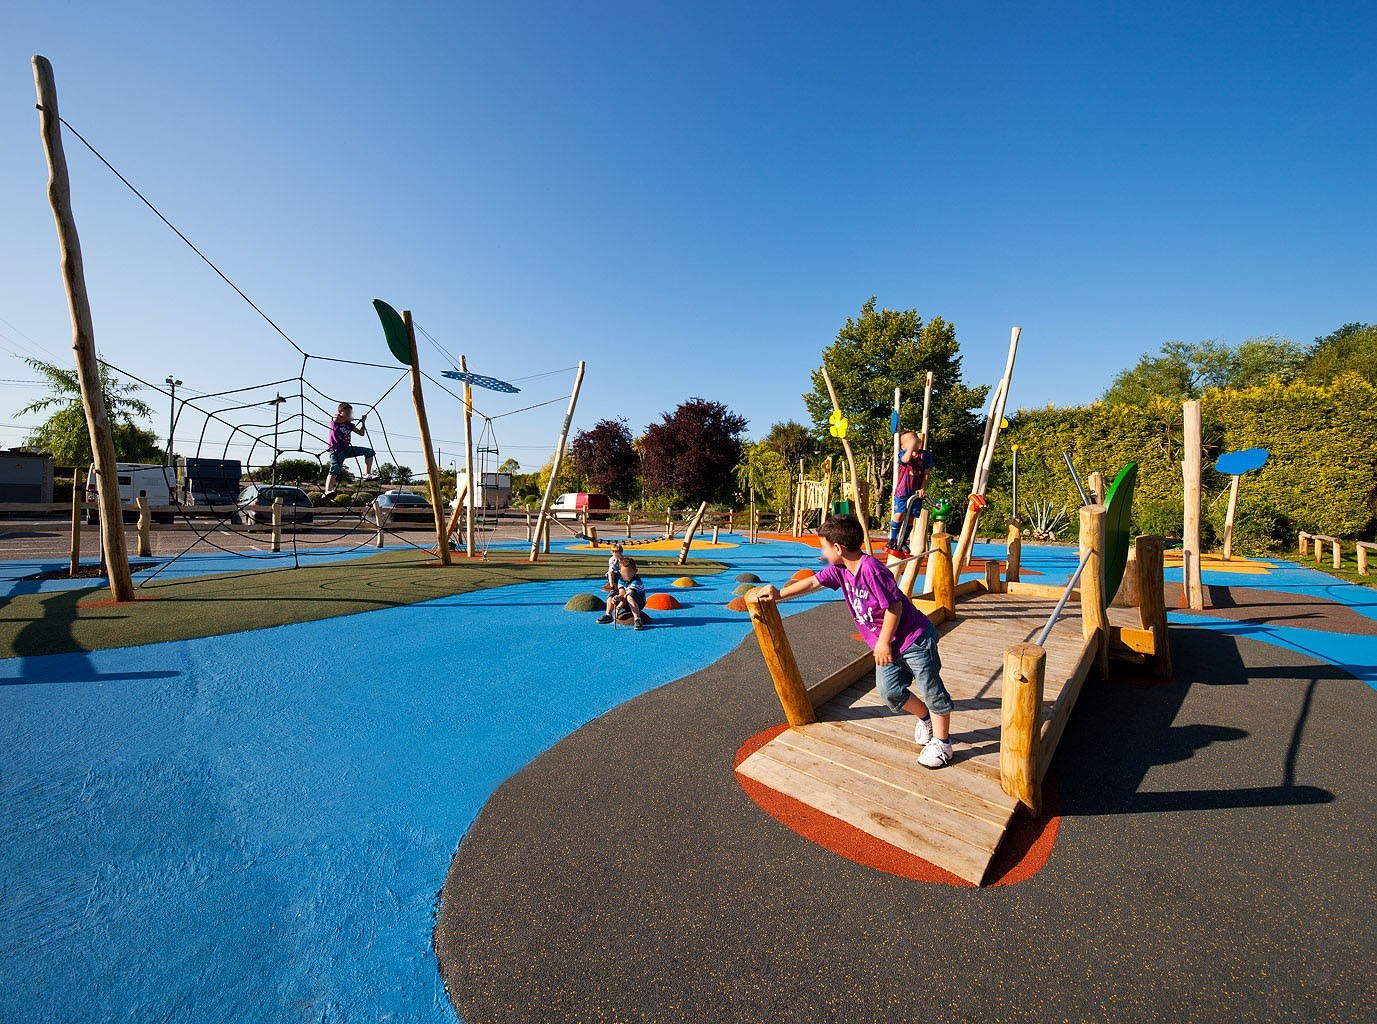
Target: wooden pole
[1338, 554]
[77, 497]
[716, 527]
[628, 523]
[1152, 607]
[113, 550]
[1094, 620]
[1020, 728]
[1304, 541]
[381, 518]
[1097, 487]
[992, 583]
[1190, 469]
[898, 429]
[277, 524]
[940, 575]
[986, 461]
[471, 490]
[857, 507]
[1014, 550]
[460, 504]
[145, 516]
[692, 529]
[779, 658]
[1362, 558]
[559, 459]
[432, 469]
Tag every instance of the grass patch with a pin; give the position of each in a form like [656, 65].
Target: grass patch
[86, 620]
[1348, 565]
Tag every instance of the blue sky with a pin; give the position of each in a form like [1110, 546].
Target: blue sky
[693, 198]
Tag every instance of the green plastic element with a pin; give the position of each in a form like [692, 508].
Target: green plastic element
[841, 508]
[942, 512]
[397, 338]
[1118, 509]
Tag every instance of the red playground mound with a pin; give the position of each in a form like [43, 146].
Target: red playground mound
[1025, 850]
[662, 603]
[802, 574]
[737, 604]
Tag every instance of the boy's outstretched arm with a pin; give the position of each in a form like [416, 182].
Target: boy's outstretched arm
[770, 592]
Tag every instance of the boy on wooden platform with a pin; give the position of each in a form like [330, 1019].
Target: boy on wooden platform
[914, 463]
[903, 638]
[628, 597]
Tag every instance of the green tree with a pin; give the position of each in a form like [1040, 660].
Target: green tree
[692, 452]
[509, 466]
[879, 351]
[1183, 370]
[65, 435]
[793, 441]
[1350, 349]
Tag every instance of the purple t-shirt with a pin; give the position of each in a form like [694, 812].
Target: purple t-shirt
[340, 435]
[869, 593]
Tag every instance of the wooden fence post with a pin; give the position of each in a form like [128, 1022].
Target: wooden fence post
[1020, 728]
[1304, 539]
[1362, 558]
[779, 658]
[1094, 621]
[1152, 607]
[145, 548]
[1338, 554]
[277, 524]
[992, 584]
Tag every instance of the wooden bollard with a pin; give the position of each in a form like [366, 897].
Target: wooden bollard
[277, 524]
[1338, 554]
[1020, 726]
[1097, 487]
[381, 519]
[992, 583]
[145, 517]
[714, 533]
[1362, 547]
[1127, 597]
[1304, 540]
[628, 524]
[593, 535]
[1014, 544]
[910, 575]
[731, 520]
[1094, 620]
[76, 528]
[940, 574]
[1152, 606]
[779, 658]
[669, 524]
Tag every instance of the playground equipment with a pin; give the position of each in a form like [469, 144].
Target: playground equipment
[1193, 588]
[847, 756]
[1235, 464]
[838, 430]
[920, 534]
[985, 461]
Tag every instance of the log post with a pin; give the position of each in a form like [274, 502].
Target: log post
[145, 517]
[1097, 487]
[592, 532]
[1318, 548]
[76, 527]
[1152, 606]
[1190, 469]
[992, 584]
[910, 576]
[1304, 540]
[1020, 728]
[941, 579]
[1229, 517]
[714, 533]
[559, 460]
[114, 553]
[1094, 620]
[779, 658]
[1362, 559]
[380, 518]
[277, 524]
[1014, 552]
[1127, 597]
[432, 469]
[693, 525]
[858, 508]
[528, 521]
[1338, 554]
[669, 524]
[628, 522]
[470, 491]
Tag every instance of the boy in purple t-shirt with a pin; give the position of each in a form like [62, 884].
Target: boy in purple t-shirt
[902, 637]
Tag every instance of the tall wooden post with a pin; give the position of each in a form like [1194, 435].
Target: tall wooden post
[1097, 488]
[1094, 618]
[114, 552]
[145, 542]
[941, 578]
[277, 524]
[692, 529]
[1014, 550]
[779, 658]
[1152, 608]
[559, 459]
[432, 469]
[858, 508]
[1020, 729]
[76, 527]
[472, 489]
[1190, 469]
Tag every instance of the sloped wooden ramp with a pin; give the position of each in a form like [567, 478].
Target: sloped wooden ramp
[858, 762]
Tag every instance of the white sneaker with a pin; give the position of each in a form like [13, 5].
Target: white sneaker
[922, 732]
[936, 754]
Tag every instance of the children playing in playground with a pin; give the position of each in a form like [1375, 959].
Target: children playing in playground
[614, 562]
[628, 596]
[341, 446]
[909, 491]
[903, 638]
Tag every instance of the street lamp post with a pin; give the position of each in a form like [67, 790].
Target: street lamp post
[276, 403]
[172, 383]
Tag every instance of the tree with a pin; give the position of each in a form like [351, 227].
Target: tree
[65, 435]
[509, 466]
[298, 471]
[1184, 370]
[793, 441]
[388, 473]
[879, 351]
[1350, 349]
[607, 457]
[693, 452]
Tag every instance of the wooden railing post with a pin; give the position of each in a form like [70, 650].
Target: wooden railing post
[1020, 730]
[779, 658]
[277, 524]
[1303, 539]
[1094, 621]
[1015, 550]
[145, 545]
[1152, 606]
[941, 577]
[1362, 558]
[1338, 554]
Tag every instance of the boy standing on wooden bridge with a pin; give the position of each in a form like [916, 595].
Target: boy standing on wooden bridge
[903, 638]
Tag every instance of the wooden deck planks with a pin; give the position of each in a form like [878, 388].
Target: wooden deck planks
[859, 763]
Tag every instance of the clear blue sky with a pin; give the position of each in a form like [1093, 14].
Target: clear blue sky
[692, 197]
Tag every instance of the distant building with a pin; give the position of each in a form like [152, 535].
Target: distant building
[26, 477]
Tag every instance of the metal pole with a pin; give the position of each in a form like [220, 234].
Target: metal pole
[276, 403]
[1085, 498]
[172, 383]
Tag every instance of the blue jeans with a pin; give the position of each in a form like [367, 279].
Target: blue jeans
[338, 455]
[919, 664]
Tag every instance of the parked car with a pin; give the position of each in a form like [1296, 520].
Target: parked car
[256, 504]
[573, 504]
[398, 506]
[213, 483]
[157, 482]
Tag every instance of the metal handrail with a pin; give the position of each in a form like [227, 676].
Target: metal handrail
[1061, 604]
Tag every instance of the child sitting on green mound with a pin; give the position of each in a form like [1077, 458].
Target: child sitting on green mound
[903, 638]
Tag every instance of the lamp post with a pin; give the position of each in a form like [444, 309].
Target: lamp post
[276, 403]
[172, 383]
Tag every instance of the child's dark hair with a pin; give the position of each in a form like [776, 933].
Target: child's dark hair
[629, 562]
[844, 531]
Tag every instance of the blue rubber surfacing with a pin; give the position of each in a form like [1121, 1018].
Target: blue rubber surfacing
[257, 826]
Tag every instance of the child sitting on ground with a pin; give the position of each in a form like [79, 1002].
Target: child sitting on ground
[903, 638]
[614, 562]
[629, 595]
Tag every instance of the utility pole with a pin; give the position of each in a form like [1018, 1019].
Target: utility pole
[172, 383]
[276, 403]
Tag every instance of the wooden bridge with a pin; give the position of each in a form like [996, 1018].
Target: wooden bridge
[850, 757]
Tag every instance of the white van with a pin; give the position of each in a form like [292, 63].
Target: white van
[157, 482]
